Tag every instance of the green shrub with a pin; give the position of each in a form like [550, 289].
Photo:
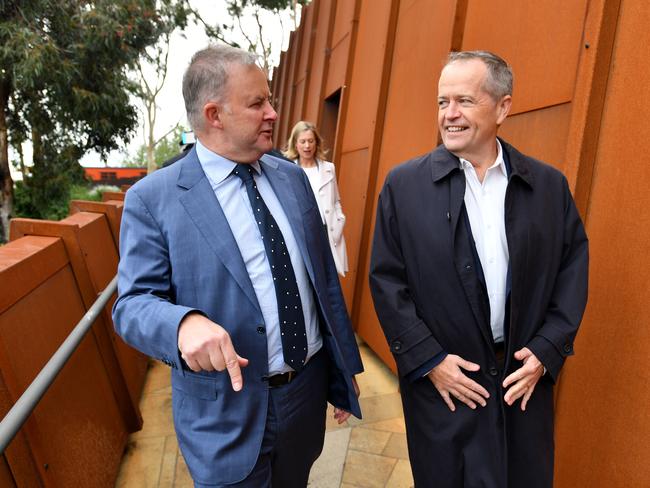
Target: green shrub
[52, 203]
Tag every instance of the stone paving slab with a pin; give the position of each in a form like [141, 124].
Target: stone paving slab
[370, 452]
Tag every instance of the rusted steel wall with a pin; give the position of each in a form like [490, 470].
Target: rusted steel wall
[603, 420]
[76, 434]
[50, 274]
[575, 64]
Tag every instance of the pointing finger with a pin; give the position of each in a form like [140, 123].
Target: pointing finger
[232, 360]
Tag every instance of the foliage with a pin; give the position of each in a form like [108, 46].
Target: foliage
[56, 208]
[168, 147]
[148, 91]
[256, 37]
[64, 83]
[88, 192]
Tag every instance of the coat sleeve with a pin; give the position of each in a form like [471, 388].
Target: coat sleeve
[409, 338]
[144, 314]
[554, 340]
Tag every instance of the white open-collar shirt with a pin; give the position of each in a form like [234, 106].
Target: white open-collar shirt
[484, 203]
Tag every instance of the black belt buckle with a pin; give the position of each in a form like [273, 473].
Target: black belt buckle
[281, 379]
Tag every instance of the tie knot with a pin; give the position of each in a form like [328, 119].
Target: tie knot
[244, 171]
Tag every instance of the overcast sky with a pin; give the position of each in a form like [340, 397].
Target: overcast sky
[171, 108]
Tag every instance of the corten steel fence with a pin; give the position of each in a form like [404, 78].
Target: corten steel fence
[24, 406]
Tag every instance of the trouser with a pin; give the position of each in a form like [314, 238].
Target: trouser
[294, 432]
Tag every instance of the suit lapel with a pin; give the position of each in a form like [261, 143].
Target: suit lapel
[285, 191]
[204, 210]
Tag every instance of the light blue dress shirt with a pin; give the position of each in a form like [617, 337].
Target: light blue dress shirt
[231, 194]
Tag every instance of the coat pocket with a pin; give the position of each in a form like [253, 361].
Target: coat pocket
[195, 387]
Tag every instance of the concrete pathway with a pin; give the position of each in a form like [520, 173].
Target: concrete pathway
[359, 453]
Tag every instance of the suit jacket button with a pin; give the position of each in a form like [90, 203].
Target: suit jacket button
[493, 371]
[567, 348]
[468, 266]
[261, 330]
[397, 346]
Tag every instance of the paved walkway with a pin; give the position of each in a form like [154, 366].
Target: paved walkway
[360, 453]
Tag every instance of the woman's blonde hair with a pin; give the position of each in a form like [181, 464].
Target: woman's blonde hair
[290, 150]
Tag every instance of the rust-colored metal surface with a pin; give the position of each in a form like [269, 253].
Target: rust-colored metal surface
[17, 457]
[6, 479]
[321, 32]
[589, 99]
[308, 16]
[112, 209]
[603, 420]
[409, 124]
[575, 63]
[352, 183]
[364, 110]
[296, 93]
[342, 20]
[76, 434]
[93, 259]
[101, 258]
[279, 91]
[112, 195]
[339, 47]
[284, 123]
[541, 40]
[541, 133]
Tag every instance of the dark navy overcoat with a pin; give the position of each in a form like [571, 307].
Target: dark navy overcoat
[430, 297]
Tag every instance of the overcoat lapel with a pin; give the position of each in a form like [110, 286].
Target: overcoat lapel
[517, 230]
[204, 210]
[446, 166]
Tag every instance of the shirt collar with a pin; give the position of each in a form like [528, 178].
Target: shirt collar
[216, 166]
[498, 162]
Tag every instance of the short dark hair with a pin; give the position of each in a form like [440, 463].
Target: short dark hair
[498, 82]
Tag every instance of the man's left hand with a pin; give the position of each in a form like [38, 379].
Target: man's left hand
[342, 415]
[523, 380]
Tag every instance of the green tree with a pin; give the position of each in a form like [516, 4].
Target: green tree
[256, 37]
[64, 83]
[166, 148]
[148, 91]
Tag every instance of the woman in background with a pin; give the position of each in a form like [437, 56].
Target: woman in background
[305, 147]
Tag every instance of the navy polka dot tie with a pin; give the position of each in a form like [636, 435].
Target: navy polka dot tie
[292, 322]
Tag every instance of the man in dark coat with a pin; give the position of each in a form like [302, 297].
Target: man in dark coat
[479, 279]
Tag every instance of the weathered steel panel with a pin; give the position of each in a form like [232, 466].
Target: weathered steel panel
[603, 420]
[541, 40]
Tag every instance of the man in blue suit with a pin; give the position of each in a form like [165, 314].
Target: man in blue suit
[226, 276]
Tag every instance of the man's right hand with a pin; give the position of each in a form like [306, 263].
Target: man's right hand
[449, 380]
[206, 346]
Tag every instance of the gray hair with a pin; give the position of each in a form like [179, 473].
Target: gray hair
[207, 77]
[498, 82]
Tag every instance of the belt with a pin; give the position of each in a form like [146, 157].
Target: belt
[281, 379]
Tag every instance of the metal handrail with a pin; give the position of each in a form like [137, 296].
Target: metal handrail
[27, 402]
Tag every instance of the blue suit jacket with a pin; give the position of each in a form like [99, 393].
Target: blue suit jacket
[178, 255]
